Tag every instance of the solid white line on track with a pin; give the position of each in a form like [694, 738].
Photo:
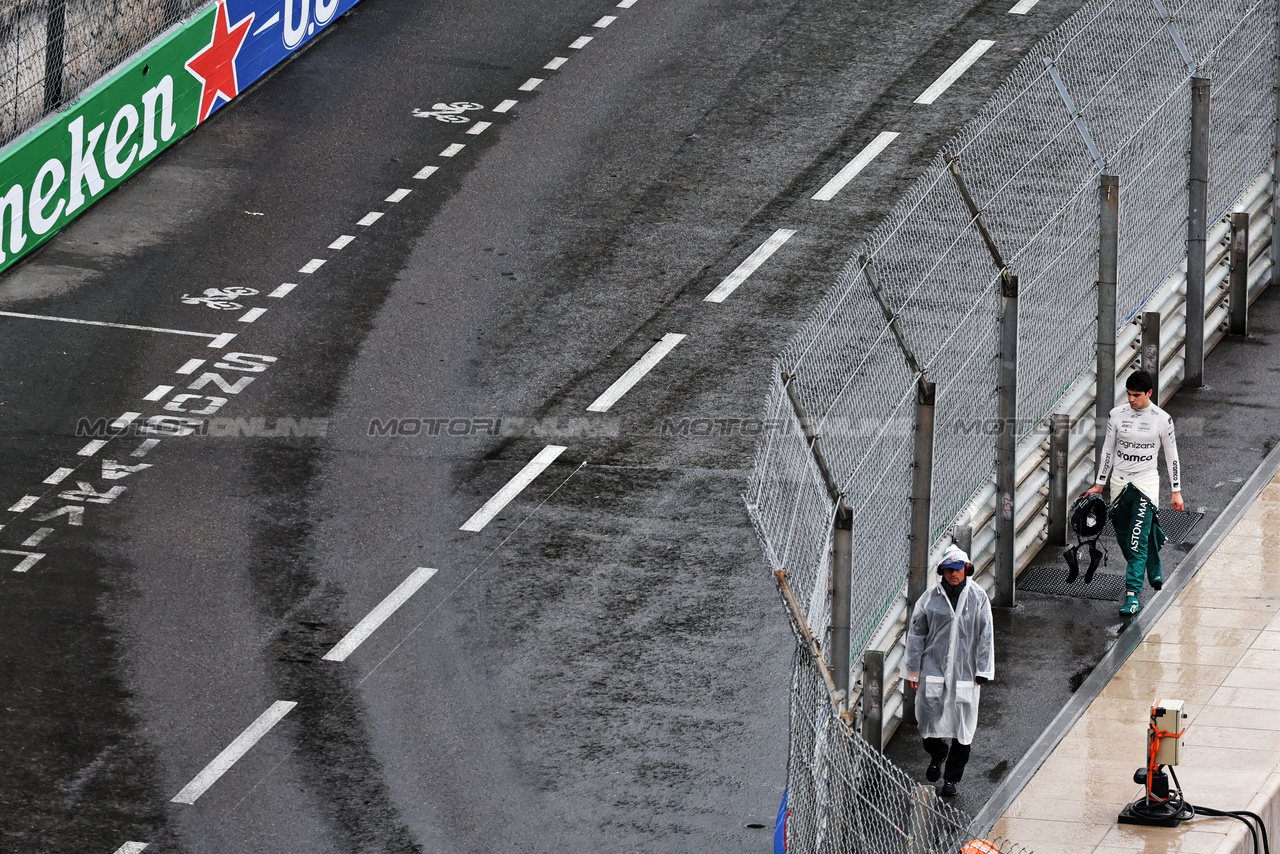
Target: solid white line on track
[505, 105]
[158, 392]
[379, 615]
[749, 266]
[605, 21]
[856, 165]
[111, 325]
[132, 848]
[952, 74]
[222, 340]
[514, 487]
[636, 372]
[35, 539]
[92, 448]
[312, 265]
[189, 367]
[125, 420]
[58, 476]
[1023, 7]
[478, 128]
[398, 196]
[370, 218]
[341, 242]
[236, 749]
[580, 42]
[23, 503]
[556, 63]
[423, 174]
[283, 290]
[530, 84]
[452, 149]
[251, 315]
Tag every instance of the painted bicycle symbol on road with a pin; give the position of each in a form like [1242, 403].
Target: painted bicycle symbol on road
[222, 299]
[448, 112]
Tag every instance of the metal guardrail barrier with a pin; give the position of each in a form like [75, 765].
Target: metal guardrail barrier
[52, 50]
[1091, 193]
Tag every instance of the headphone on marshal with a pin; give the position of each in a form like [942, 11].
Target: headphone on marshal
[954, 558]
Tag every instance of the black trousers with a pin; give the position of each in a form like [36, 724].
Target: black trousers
[956, 757]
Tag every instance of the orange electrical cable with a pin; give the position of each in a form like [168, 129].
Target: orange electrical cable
[1154, 737]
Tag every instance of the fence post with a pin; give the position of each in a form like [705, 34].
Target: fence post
[921, 491]
[873, 698]
[1108, 260]
[55, 31]
[1059, 464]
[1006, 461]
[842, 598]
[1150, 359]
[1197, 202]
[1238, 296]
[1275, 161]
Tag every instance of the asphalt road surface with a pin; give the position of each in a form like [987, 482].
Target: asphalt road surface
[601, 663]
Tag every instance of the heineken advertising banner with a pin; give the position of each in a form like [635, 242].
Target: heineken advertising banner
[51, 174]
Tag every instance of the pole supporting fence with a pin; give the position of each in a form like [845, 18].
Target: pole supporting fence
[1149, 359]
[1197, 213]
[1108, 264]
[1238, 289]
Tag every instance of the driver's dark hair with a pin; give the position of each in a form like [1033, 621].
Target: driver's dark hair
[1139, 381]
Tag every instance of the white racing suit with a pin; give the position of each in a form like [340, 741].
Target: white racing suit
[947, 650]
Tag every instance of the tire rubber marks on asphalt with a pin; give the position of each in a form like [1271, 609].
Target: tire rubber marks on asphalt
[233, 752]
[379, 615]
[636, 372]
[856, 165]
[952, 74]
[749, 266]
[514, 487]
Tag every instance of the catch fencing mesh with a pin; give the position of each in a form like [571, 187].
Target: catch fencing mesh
[1109, 92]
[53, 50]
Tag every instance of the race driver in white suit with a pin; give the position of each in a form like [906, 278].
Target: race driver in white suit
[950, 654]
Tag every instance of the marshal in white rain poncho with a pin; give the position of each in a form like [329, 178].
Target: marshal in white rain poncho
[946, 651]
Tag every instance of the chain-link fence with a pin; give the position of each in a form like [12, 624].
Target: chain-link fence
[1109, 92]
[52, 50]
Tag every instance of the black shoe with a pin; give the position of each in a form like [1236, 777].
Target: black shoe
[1073, 565]
[934, 771]
[948, 790]
[1096, 556]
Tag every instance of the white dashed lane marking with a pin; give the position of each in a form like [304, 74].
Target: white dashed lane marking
[370, 218]
[422, 174]
[158, 392]
[530, 84]
[856, 165]
[580, 42]
[58, 476]
[514, 487]
[478, 128]
[952, 74]
[125, 420]
[636, 372]
[283, 290]
[132, 848]
[222, 340]
[398, 196]
[92, 448]
[452, 150]
[605, 21]
[312, 265]
[379, 615]
[233, 752]
[341, 242]
[1023, 7]
[556, 63]
[505, 105]
[23, 503]
[189, 367]
[749, 266]
[626, 4]
[252, 314]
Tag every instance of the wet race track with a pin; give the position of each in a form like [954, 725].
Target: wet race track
[429, 314]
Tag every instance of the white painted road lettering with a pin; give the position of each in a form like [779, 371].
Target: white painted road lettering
[145, 448]
[856, 165]
[158, 392]
[952, 74]
[189, 366]
[379, 615]
[29, 559]
[35, 539]
[749, 266]
[221, 341]
[514, 487]
[233, 752]
[112, 470]
[87, 494]
[636, 372]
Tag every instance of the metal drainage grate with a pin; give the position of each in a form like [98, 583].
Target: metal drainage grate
[1052, 579]
[1176, 526]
